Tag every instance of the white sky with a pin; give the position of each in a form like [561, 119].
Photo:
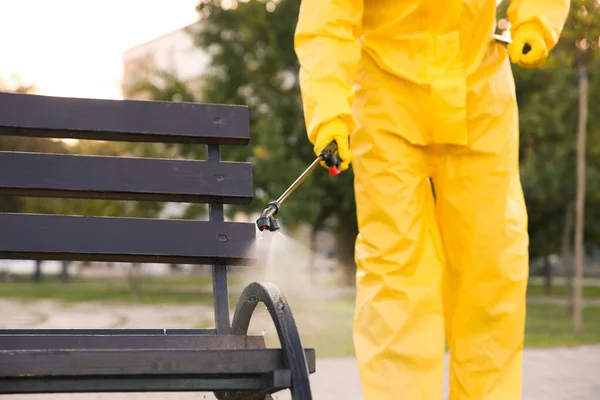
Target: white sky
[73, 47]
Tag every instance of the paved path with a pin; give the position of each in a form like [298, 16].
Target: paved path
[561, 301]
[550, 374]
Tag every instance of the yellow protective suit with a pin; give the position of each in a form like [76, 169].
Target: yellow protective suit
[424, 92]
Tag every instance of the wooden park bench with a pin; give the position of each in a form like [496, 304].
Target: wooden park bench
[224, 360]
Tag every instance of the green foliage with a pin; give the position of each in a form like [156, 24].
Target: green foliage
[549, 326]
[170, 88]
[174, 290]
[579, 42]
[548, 102]
[254, 63]
[547, 123]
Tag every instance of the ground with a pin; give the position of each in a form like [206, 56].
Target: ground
[562, 373]
[322, 311]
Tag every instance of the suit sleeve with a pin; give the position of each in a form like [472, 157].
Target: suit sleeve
[328, 50]
[548, 15]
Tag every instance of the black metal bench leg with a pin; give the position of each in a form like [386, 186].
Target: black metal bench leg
[280, 312]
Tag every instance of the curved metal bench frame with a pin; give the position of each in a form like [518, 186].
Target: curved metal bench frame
[287, 331]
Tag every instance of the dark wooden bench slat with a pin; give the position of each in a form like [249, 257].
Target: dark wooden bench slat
[14, 363]
[114, 342]
[123, 120]
[59, 175]
[120, 331]
[271, 382]
[58, 237]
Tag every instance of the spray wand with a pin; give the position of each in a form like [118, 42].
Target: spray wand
[266, 221]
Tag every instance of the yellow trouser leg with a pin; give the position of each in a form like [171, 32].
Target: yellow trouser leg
[399, 323]
[483, 223]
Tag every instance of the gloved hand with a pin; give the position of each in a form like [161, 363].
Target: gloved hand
[335, 130]
[528, 48]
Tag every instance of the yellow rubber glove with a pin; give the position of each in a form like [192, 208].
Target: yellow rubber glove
[335, 130]
[528, 48]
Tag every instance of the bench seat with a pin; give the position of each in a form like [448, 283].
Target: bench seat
[112, 360]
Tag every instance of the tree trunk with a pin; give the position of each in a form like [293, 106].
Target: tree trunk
[312, 267]
[566, 255]
[133, 279]
[345, 238]
[37, 275]
[547, 276]
[580, 199]
[315, 229]
[64, 273]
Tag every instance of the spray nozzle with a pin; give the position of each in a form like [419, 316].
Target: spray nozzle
[266, 221]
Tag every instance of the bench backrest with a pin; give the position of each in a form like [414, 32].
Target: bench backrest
[61, 237]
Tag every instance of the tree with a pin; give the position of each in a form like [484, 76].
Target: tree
[580, 38]
[254, 63]
[261, 35]
[552, 107]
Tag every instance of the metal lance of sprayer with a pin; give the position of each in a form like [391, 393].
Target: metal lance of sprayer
[266, 221]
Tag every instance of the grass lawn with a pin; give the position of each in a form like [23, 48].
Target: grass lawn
[163, 290]
[328, 327]
[560, 290]
[324, 324]
[194, 290]
[551, 326]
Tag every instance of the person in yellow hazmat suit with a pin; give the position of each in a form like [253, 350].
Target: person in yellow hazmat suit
[415, 90]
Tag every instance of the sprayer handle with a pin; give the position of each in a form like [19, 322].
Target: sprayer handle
[330, 159]
[331, 147]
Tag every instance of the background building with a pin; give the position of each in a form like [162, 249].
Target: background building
[173, 52]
